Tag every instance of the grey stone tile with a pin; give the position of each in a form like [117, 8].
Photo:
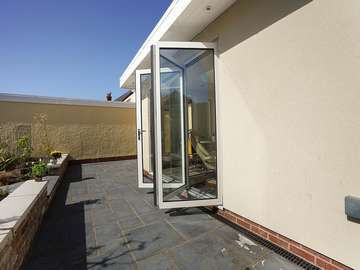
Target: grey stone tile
[193, 226]
[121, 208]
[103, 217]
[107, 232]
[124, 194]
[140, 205]
[150, 239]
[96, 203]
[157, 262]
[102, 197]
[115, 255]
[43, 263]
[154, 216]
[129, 223]
[209, 252]
[239, 241]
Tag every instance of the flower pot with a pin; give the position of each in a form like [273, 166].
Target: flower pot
[38, 179]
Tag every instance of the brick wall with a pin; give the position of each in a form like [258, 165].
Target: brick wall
[13, 253]
[292, 246]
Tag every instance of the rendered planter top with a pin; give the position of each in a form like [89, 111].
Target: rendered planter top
[15, 207]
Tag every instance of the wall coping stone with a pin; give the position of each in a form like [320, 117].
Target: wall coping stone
[63, 101]
[15, 207]
[52, 181]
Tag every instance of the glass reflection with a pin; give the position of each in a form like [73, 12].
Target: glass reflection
[188, 124]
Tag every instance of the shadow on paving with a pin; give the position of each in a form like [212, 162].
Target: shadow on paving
[99, 219]
[61, 240]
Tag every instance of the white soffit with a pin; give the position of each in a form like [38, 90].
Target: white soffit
[182, 21]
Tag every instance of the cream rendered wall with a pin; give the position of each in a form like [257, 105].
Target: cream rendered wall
[146, 135]
[289, 108]
[85, 132]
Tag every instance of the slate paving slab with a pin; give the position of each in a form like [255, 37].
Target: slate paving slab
[150, 239]
[209, 252]
[107, 233]
[99, 219]
[193, 226]
[157, 262]
[130, 222]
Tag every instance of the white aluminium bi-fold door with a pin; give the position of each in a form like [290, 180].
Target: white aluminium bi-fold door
[144, 122]
[185, 124]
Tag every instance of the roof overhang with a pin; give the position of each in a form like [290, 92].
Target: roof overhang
[182, 21]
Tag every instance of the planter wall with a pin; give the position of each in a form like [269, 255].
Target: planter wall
[21, 214]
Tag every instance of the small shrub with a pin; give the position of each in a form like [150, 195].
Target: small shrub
[8, 163]
[4, 153]
[24, 148]
[40, 123]
[3, 194]
[39, 170]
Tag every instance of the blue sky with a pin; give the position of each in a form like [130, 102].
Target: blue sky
[71, 48]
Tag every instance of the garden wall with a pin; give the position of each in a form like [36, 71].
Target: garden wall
[85, 129]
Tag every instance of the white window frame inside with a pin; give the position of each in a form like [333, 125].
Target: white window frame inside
[157, 126]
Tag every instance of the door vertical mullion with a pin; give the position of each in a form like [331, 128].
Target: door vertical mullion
[157, 123]
[139, 128]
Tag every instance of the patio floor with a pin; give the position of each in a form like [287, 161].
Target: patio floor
[99, 219]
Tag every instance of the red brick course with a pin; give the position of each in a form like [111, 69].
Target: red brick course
[315, 258]
[280, 242]
[302, 253]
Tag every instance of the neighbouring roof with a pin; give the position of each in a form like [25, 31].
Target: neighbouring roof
[182, 21]
[124, 96]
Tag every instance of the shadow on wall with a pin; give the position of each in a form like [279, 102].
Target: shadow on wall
[247, 18]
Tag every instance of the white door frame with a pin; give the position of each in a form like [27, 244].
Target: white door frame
[139, 130]
[157, 126]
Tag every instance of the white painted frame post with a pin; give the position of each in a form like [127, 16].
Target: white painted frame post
[157, 126]
[139, 136]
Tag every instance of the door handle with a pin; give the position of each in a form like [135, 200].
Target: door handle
[139, 134]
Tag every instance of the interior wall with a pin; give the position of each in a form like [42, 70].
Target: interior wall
[289, 109]
[85, 132]
[146, 135]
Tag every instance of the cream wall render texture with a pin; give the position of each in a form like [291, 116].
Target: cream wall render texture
[86, 132]
[289, 72]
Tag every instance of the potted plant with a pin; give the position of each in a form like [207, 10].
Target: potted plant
[56, 155]
[3, 194]
[39, 170]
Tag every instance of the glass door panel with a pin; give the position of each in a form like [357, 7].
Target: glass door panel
[145, 130]
[186, 130]
[172, 124]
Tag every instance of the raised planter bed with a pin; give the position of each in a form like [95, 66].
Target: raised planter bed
[21, 213]
[54, 172]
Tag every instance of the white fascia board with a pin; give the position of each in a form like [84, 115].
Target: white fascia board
[172, 13]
